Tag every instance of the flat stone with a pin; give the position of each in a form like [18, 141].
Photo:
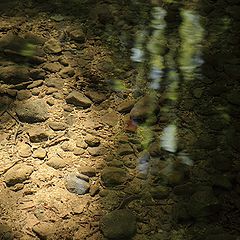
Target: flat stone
[119, 224]
[96, 151]
[23, 95]
[18, 174]
[43, 230]
[124, 149]
[54, 82]
[37, 134]
[78, 151]
[110, 118]
[52, 46]
[68, 146]
[96, 97]
[57, 126]
[14, 74]
[92, 141]
[88, 171]
[39, 153]
[52, 67]
[81, 143]
[32, 111]
[78, 99]
[76, 185]
[112, 176]
[37, 73]
[36, 83]
[57, 162]
[126, 106]
[67, 72]
[24, 150]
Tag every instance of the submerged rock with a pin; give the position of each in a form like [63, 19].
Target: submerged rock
[119, 224]
[32, 111]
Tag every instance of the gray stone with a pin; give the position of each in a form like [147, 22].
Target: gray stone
[119, 224]
[76, 185]
[32, 111]
[5, 232]
[38, 134]
[52, 46]
[78, 99]
[112, 176]
[18, 174]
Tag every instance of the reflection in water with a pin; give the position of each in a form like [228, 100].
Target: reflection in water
[191, 34]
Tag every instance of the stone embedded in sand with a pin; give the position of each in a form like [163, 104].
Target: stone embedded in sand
[57, 162]
[96, 97]
[112, 176]
[18, 174]
[5, 232]
[67, 72]
[119, 224]
[78, 99]
[52, 67]
[92, 141]
[39, 153]
[32, 111]
[126, 106]
[43, 230]
[57, 126]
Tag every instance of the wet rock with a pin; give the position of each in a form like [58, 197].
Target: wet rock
[125, 149]
[222, 181]
[112, 176]
[57, 162]
[77, 35]
[37, 74]
[57, 126]
[43, 230]
[5, 232]
[110, 118]
[119, 224]
[160, 192]
[39, 153]
[36, 83]
[54, 82]
[18, 174]
[24, 150]
[23, 95]
[14, 74]
[78, 99]
[52, 46]
[96, 97]
[126, 106]
[67, 72]
[92, 141]
[96, 151]
[76, 185]
[52, 67]
[203, 203]
[88, 171]
[32, 111]
[37, 134]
